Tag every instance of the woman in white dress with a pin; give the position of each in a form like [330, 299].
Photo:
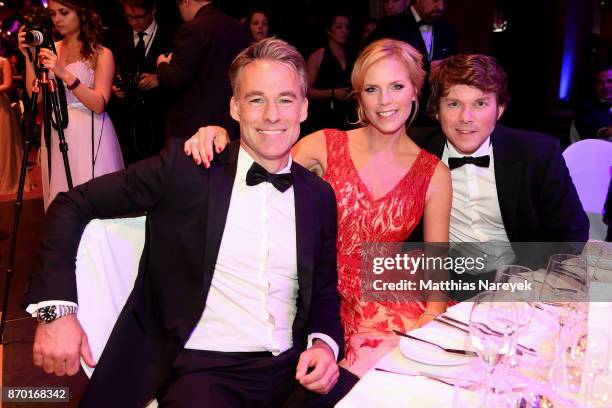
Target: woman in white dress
[87, 69]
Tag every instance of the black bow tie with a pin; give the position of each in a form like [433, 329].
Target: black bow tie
[480, 161]
[422, 23]
[258, 174]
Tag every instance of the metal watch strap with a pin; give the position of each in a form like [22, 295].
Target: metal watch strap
[50, 313]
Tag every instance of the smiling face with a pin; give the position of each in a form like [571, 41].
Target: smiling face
[387, 95]
[65, 19]
[468, 116]
[270, 105]
[339, 30]
[259, 26]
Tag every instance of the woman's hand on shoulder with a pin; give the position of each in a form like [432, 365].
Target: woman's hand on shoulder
[205, 142]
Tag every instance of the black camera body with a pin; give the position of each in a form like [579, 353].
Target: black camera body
[40, 35]
[128, 82]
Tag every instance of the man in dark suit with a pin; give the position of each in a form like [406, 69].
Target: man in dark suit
[237, 281]
[138, 106]
[421, 26]
[196, 72]
[509, 185]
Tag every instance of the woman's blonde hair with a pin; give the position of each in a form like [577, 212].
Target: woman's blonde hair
[381, 49]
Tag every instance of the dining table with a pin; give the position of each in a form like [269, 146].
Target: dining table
[418, 374]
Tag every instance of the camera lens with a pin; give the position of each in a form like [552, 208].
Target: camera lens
[34, 37]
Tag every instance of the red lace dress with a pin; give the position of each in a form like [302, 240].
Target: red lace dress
[391, 218]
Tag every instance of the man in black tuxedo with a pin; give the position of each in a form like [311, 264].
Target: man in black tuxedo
[421, 26]
[237, 281]
[509, 185]
[138, 106]
[196, 72]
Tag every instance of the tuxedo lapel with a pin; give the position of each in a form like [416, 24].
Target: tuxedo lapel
[508, 176]
[304, 238]
[221, 183]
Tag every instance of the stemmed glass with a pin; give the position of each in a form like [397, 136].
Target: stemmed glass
[566, 285]
[581, 371]
[522, 299]
[493, 324]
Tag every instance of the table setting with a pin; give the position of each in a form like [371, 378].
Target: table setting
[495, 350]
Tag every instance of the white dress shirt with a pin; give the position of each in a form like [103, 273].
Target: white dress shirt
[475, 212]
[252, 300]
[148, 37]
[426, 33]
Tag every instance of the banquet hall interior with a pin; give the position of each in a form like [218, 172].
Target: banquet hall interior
[549, 48]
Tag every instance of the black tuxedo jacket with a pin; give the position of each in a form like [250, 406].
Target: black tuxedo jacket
[404, 27]
[186, 213]
[537, 198]
[198, 73]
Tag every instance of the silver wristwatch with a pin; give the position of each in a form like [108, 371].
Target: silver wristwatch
[47, 314]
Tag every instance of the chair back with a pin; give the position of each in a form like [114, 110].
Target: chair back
[106, 268]
[590, 164]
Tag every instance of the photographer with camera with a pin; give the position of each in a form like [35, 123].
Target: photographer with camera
[138, 106]
[87, 69]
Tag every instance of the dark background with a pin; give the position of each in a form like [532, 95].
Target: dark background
[543, 43]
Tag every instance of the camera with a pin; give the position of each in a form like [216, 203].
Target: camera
[39, 35]
[128, 82]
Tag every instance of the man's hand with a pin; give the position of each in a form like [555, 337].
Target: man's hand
[324, 374]
[148, 81]
[201, 145]
[164, 58]
[59, 344]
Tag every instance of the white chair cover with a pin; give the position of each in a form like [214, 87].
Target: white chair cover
[106, 267]
[590, 164]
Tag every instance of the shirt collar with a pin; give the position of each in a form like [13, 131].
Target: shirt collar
[484, 149]
[417, 18]
[245, 161]
[149, 31]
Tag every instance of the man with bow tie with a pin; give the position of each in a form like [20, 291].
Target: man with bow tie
[509, 185]
[235, 303]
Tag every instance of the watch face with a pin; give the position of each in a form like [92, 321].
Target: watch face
[47, 314]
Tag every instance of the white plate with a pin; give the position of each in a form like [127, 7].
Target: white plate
[428, 354]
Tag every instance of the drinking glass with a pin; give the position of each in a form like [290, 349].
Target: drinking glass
[581, 370]
[566, 286]
[522, 299]
[493, 324]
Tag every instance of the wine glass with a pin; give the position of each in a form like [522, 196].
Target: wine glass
[566, 286]
[525, 310]
[493, 324]
[581, 370]
[603, 264]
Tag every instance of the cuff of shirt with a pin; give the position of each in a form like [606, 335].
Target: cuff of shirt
[328, 340]
[33, 307]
